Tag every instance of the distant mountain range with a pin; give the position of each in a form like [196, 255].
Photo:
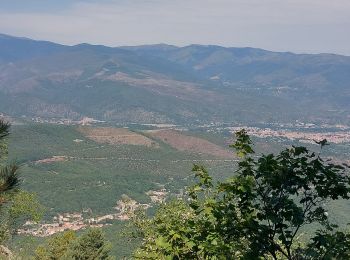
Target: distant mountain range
[195, 84]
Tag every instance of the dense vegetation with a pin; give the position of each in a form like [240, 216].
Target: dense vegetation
[35, 142]
[17, 205]
[89, 246]
[75, 185]
[69, 183]
[257, 214]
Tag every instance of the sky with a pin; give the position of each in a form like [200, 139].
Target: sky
[301, 26]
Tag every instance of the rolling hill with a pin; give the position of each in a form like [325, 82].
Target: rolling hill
[167, 84]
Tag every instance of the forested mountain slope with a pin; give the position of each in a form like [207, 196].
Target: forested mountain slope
[166, 84]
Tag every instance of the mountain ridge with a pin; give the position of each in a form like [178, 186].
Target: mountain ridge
[4, 35]
[169, 84]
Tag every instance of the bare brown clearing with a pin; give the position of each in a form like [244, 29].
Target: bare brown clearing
[52, 159]
[116, 136]
[192, 144]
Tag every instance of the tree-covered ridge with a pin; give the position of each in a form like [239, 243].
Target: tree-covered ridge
[259, 213]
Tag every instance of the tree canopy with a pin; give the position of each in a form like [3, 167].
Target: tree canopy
[9, 183]
[91, 245]
[258, 213]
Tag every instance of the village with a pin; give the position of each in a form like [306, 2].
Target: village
[124, 209]
[337, 137]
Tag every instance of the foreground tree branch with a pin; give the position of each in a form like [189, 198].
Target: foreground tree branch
[257, 213]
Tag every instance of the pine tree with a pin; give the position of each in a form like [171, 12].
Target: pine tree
[90, 246]
[9, 182]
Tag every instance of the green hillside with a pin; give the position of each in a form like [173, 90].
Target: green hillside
[96, 175]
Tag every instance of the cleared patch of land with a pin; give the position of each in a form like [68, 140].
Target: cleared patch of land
[116, 136]
[183, 142]
[52, 159]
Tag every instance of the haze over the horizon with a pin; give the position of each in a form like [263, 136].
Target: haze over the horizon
[307, 26]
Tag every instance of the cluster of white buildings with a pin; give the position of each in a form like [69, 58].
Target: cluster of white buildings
[333, 137]
[125, 207]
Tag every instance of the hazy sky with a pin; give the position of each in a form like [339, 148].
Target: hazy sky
[284, 25]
